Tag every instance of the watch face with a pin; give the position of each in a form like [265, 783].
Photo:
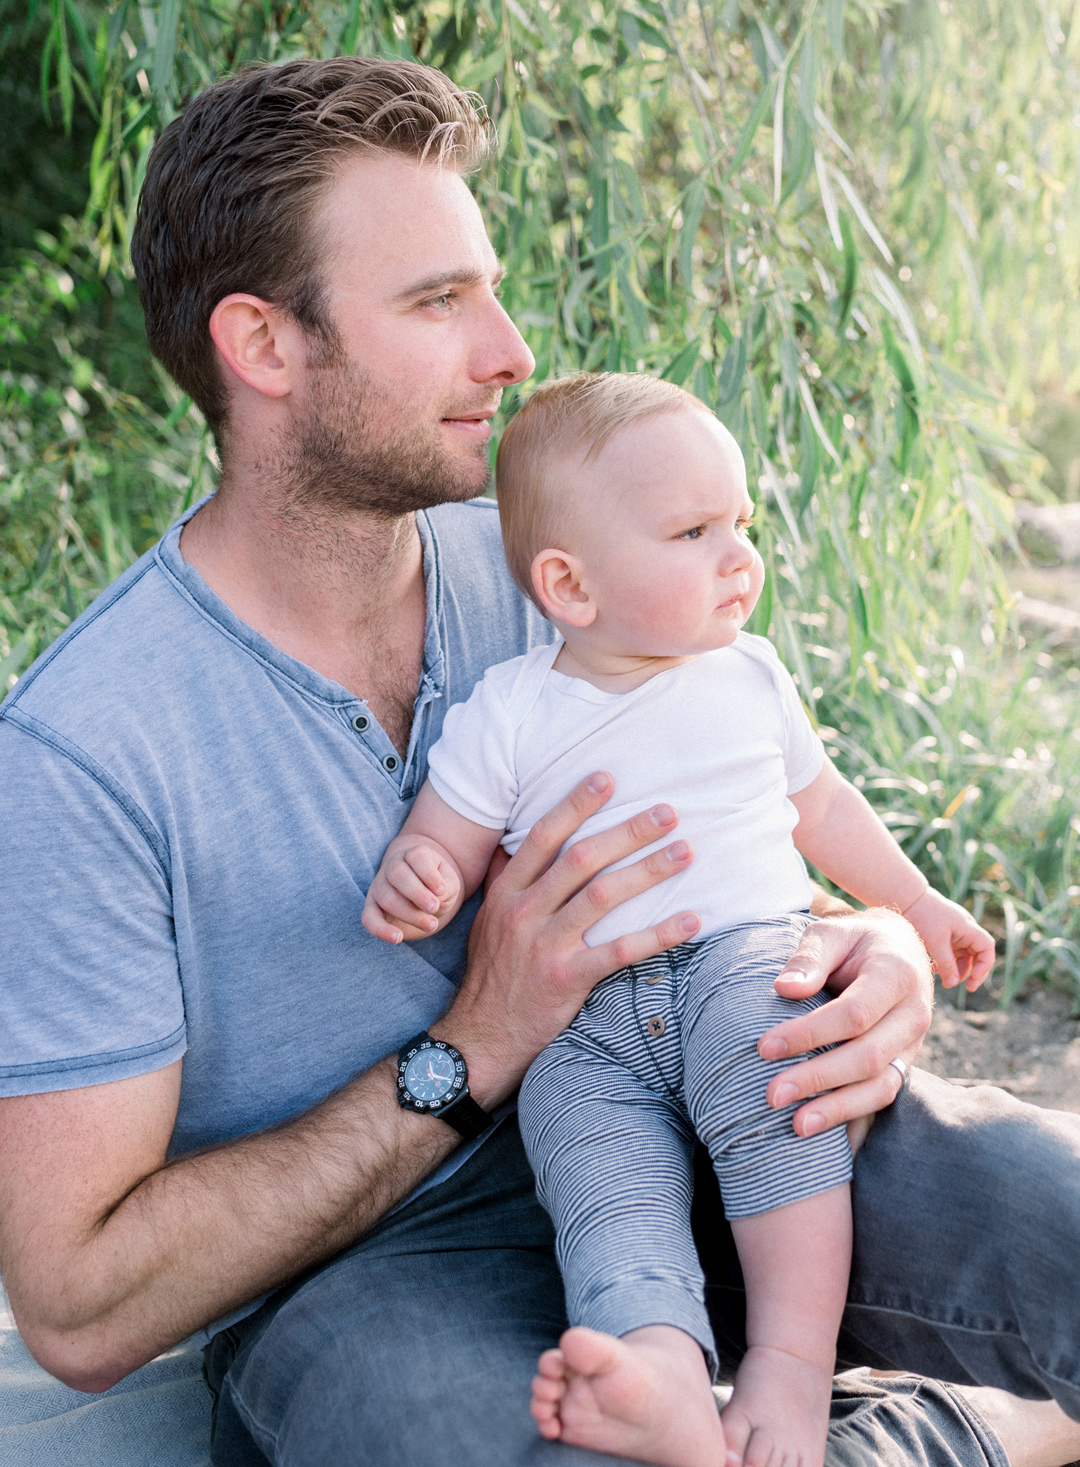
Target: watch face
[430, 1074]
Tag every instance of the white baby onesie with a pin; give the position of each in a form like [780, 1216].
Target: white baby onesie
[723, 738]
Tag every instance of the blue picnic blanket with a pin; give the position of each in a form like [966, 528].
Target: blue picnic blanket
[158, 1417]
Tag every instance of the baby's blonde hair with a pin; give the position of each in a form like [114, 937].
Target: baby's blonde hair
[563, 425]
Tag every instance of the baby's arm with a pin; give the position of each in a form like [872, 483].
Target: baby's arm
[839, 832]
[434, 864]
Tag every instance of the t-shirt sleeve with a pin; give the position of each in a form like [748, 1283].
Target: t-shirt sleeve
[472, 765]
[89, 981]
[804, 753]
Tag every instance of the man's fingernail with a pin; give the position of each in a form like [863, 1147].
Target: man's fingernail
[597, 784]
[678, 852]
[662, 815]
[813, 1123]
[785, 1094]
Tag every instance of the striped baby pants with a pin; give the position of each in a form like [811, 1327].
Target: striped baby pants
[661, 1053]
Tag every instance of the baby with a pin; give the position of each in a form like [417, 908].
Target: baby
[625, 517]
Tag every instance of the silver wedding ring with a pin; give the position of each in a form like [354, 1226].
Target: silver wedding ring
[900, 1066]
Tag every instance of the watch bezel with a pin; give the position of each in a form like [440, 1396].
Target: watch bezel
[458, 1086]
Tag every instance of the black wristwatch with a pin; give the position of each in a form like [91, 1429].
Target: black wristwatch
[433, 1080]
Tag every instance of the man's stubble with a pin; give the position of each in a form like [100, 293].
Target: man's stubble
[342, 459]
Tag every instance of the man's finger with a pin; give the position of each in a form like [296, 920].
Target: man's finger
[849, 1104]
[848, 1064]
[603, 893]
[599, 962]
[847, 1016]
[547, 836]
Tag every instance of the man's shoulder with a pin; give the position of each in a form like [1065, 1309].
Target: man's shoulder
[118, 666]
[486, 615]
[469, 540]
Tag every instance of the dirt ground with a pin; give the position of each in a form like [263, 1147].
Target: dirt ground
[1031, 1049]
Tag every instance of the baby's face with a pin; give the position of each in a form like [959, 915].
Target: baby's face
[661, 526]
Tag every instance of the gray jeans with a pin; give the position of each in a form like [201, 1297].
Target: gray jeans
[418, 1343]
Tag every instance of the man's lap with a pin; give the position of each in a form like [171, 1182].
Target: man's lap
[421, 1340]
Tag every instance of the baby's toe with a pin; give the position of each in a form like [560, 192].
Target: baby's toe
[761, 1451]
[552, 1365]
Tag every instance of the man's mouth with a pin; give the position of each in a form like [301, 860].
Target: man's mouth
[473, 425]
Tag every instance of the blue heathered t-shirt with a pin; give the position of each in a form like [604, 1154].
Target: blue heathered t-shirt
[190, 821]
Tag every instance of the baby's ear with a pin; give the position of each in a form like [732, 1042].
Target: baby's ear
[558, 580]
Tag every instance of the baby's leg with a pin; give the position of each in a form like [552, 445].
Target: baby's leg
[786, 1198]
[795, 1263]
[612, 1160]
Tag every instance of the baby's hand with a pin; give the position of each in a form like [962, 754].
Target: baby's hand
[962, 951]
[416, 891]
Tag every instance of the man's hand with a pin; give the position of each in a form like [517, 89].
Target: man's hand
[878, 968]
[529, 967]
[416, 890]
[961, 950]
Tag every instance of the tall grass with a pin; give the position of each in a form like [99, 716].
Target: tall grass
[851, 229]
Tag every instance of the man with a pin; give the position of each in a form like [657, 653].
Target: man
[198, 1042]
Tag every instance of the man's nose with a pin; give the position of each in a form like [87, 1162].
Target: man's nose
[502, 356]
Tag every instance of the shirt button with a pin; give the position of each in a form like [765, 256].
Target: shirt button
[655, 1027]
[390, 763]
[652, 982]
[361, 723]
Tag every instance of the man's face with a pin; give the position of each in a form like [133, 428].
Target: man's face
[395, 415]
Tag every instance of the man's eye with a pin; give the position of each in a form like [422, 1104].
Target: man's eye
[440, 301]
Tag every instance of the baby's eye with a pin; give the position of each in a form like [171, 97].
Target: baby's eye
[694, 534]
[743, 525]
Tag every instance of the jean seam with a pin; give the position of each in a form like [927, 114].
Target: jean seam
[970, 1329]
[975, 1419]
[264, 1439]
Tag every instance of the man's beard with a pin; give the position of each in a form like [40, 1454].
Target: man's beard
[332, 463]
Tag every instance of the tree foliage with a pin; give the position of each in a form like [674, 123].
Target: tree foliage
[851, 228]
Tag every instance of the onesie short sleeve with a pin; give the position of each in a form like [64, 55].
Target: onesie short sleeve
[472, 766]
[804, 753]
[89, 980]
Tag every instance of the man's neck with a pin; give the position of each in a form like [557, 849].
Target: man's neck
[343, 593]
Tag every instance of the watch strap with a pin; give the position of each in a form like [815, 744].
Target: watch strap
[467, 1118]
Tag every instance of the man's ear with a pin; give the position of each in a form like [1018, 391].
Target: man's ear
[558, 580]
[257, 343]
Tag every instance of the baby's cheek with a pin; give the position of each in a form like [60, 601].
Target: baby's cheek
[757, 582]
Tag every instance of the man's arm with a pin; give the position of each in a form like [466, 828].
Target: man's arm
[111, 1255]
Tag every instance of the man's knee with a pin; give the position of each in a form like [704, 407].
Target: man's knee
[426, 1357]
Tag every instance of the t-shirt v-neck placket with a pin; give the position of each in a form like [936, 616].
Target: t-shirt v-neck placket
[353, 713]
[404, 773]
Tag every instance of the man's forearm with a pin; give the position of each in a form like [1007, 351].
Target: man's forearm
[202, 1235]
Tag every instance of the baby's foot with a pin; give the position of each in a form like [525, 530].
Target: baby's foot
[646, 1396]
[778, 1414]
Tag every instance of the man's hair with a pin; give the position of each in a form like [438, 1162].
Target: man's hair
[232, 184]
[564, 424]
